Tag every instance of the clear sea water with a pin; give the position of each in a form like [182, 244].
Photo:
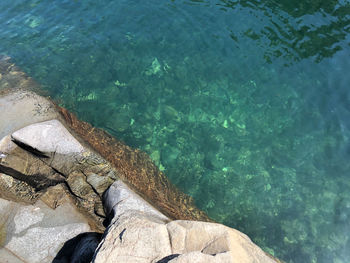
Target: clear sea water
[244, 104]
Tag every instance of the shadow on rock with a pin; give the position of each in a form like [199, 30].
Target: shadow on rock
[79, 249]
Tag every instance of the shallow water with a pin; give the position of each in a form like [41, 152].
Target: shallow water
[243, 104]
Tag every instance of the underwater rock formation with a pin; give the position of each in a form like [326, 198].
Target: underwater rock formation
[132, 165]
[137, 169]
[61, 179]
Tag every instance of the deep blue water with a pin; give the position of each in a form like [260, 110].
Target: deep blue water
[244, 104]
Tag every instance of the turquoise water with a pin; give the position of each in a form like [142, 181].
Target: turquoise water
[244, 104]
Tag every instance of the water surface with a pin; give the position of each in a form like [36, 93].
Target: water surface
[243, 104]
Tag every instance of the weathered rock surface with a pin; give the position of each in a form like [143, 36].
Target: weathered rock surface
[119, 199]
[16, 190]
[141, 235]
[35, 233]
[19, 109]
[62, 160]
[25, 166]
[134, 237]
[57, 188]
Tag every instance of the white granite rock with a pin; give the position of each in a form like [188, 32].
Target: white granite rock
[7, 257]
[49, 136]
[214, 239]
[199, 257]
[35, 233]
[120, 198]
[135, 237]
[139, 233]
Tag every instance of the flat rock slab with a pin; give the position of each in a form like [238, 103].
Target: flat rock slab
[35, 233]
[48, 137]
[22, 108]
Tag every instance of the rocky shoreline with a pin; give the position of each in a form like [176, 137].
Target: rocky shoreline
[63, 183]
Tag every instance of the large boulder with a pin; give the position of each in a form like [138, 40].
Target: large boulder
[139, 233]
[45, 154]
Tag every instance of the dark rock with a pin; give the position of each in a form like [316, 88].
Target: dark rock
[79, 249]
[24, 166]
[168, 258]
[17, 190]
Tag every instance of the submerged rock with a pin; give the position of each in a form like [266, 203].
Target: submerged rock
[154, 69]
[138, 171]
[56, 188]
[44, 164]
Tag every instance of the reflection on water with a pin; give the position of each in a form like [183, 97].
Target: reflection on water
[243, 104]
[297, 29]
